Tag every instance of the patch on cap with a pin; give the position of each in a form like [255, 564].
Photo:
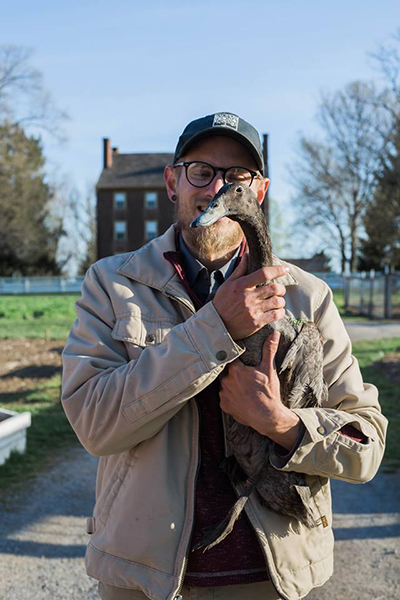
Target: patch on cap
[226, 120]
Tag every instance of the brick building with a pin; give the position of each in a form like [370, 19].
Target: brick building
[132, 203]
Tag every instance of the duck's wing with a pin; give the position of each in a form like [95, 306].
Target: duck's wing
[304, 363]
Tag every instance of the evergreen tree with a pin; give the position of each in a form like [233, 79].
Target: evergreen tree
[27, 243]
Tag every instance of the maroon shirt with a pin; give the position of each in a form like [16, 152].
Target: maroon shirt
[238, 558]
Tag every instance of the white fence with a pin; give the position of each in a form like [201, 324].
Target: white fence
[374, 295]
[334, 280]
[72, 285]
[40, 285]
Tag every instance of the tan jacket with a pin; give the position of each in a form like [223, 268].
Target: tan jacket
[135, 358]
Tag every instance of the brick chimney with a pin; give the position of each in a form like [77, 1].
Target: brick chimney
[107, 153]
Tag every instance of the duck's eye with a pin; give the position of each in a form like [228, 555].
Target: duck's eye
[239, 190]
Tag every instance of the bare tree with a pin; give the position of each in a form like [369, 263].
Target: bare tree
[279, 228]
[387, 60]
[335, 178]
[89, 230]
[382, 218]
[24, 101]
[75, 215]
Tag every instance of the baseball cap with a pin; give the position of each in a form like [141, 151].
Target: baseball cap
[222, 123]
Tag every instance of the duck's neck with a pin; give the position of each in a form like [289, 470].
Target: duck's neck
[257, 236]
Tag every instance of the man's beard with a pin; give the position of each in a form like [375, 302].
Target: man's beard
[211, 240]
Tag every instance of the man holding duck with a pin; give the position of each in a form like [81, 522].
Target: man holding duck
[141, 387]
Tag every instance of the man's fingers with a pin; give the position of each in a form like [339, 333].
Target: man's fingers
[269, 352]
[240, 270]
[265, 275]
[267, 291]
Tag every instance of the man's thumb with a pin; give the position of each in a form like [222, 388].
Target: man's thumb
[269, 350]
[241, 269]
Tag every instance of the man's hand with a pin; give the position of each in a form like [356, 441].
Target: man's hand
[246, 308]
[252, 396]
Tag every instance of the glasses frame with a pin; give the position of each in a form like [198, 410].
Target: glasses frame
[187, 164]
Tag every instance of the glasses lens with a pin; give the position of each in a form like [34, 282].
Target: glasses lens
[200, 174]
[238, 175]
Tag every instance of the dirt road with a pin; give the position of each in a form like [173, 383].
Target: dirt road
[42, 529]
[42, 537]
[371, 330]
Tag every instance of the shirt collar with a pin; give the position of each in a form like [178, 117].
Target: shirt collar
[193, 266]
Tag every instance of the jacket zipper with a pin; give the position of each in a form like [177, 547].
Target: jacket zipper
[178, 595]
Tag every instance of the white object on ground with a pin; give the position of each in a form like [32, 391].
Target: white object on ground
[13, 428]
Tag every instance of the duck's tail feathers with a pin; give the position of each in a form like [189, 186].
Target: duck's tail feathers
[213, 535]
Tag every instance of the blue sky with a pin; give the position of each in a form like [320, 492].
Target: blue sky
[137, 72]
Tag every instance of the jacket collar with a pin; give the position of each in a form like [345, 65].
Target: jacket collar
[148, 266]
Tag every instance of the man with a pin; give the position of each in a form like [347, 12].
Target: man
[155, 329]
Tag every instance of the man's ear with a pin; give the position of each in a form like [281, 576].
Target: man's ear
[262, 190]
[170, 182]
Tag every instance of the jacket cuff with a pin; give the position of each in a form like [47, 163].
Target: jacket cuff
[211, 339]
[322, 422]
[321, 425]
[281, 453]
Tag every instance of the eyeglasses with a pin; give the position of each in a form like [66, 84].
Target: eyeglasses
[200, 174]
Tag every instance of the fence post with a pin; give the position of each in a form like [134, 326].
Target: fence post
[346, 280]
[388, 296]
[362, 285]
[371, 293]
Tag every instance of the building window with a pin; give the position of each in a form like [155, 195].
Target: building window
[150, 199]
[119, 200]
[120, 230]
[150, 230]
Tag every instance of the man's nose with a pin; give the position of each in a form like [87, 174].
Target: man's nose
[215, 185]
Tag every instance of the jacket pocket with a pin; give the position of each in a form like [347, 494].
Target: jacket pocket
[111, 491]
[142, 330]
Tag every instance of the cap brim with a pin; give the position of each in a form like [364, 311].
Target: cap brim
[223, 131]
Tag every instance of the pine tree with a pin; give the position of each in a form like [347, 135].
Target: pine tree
[27, 243]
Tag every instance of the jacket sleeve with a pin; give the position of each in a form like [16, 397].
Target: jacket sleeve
[114, 403]
[325, 449]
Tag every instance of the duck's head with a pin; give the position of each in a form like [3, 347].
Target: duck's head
[235, 201]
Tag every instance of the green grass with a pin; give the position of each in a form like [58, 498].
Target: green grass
[50, 431]
[32, 316]
[347, 315]
[338, 298]
[368, 353]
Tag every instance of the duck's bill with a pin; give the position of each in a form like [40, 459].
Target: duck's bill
[212, 213]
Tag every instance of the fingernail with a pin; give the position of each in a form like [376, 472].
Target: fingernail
[287, 269]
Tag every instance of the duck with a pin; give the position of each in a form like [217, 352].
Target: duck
[299, 362]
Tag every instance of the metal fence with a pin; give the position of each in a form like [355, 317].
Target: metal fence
[71, 285]
[334, 280]
[40, 285]
[374, 295]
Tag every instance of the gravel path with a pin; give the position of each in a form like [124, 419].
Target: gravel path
[42, 537]
[371, 330]
[42, 534]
